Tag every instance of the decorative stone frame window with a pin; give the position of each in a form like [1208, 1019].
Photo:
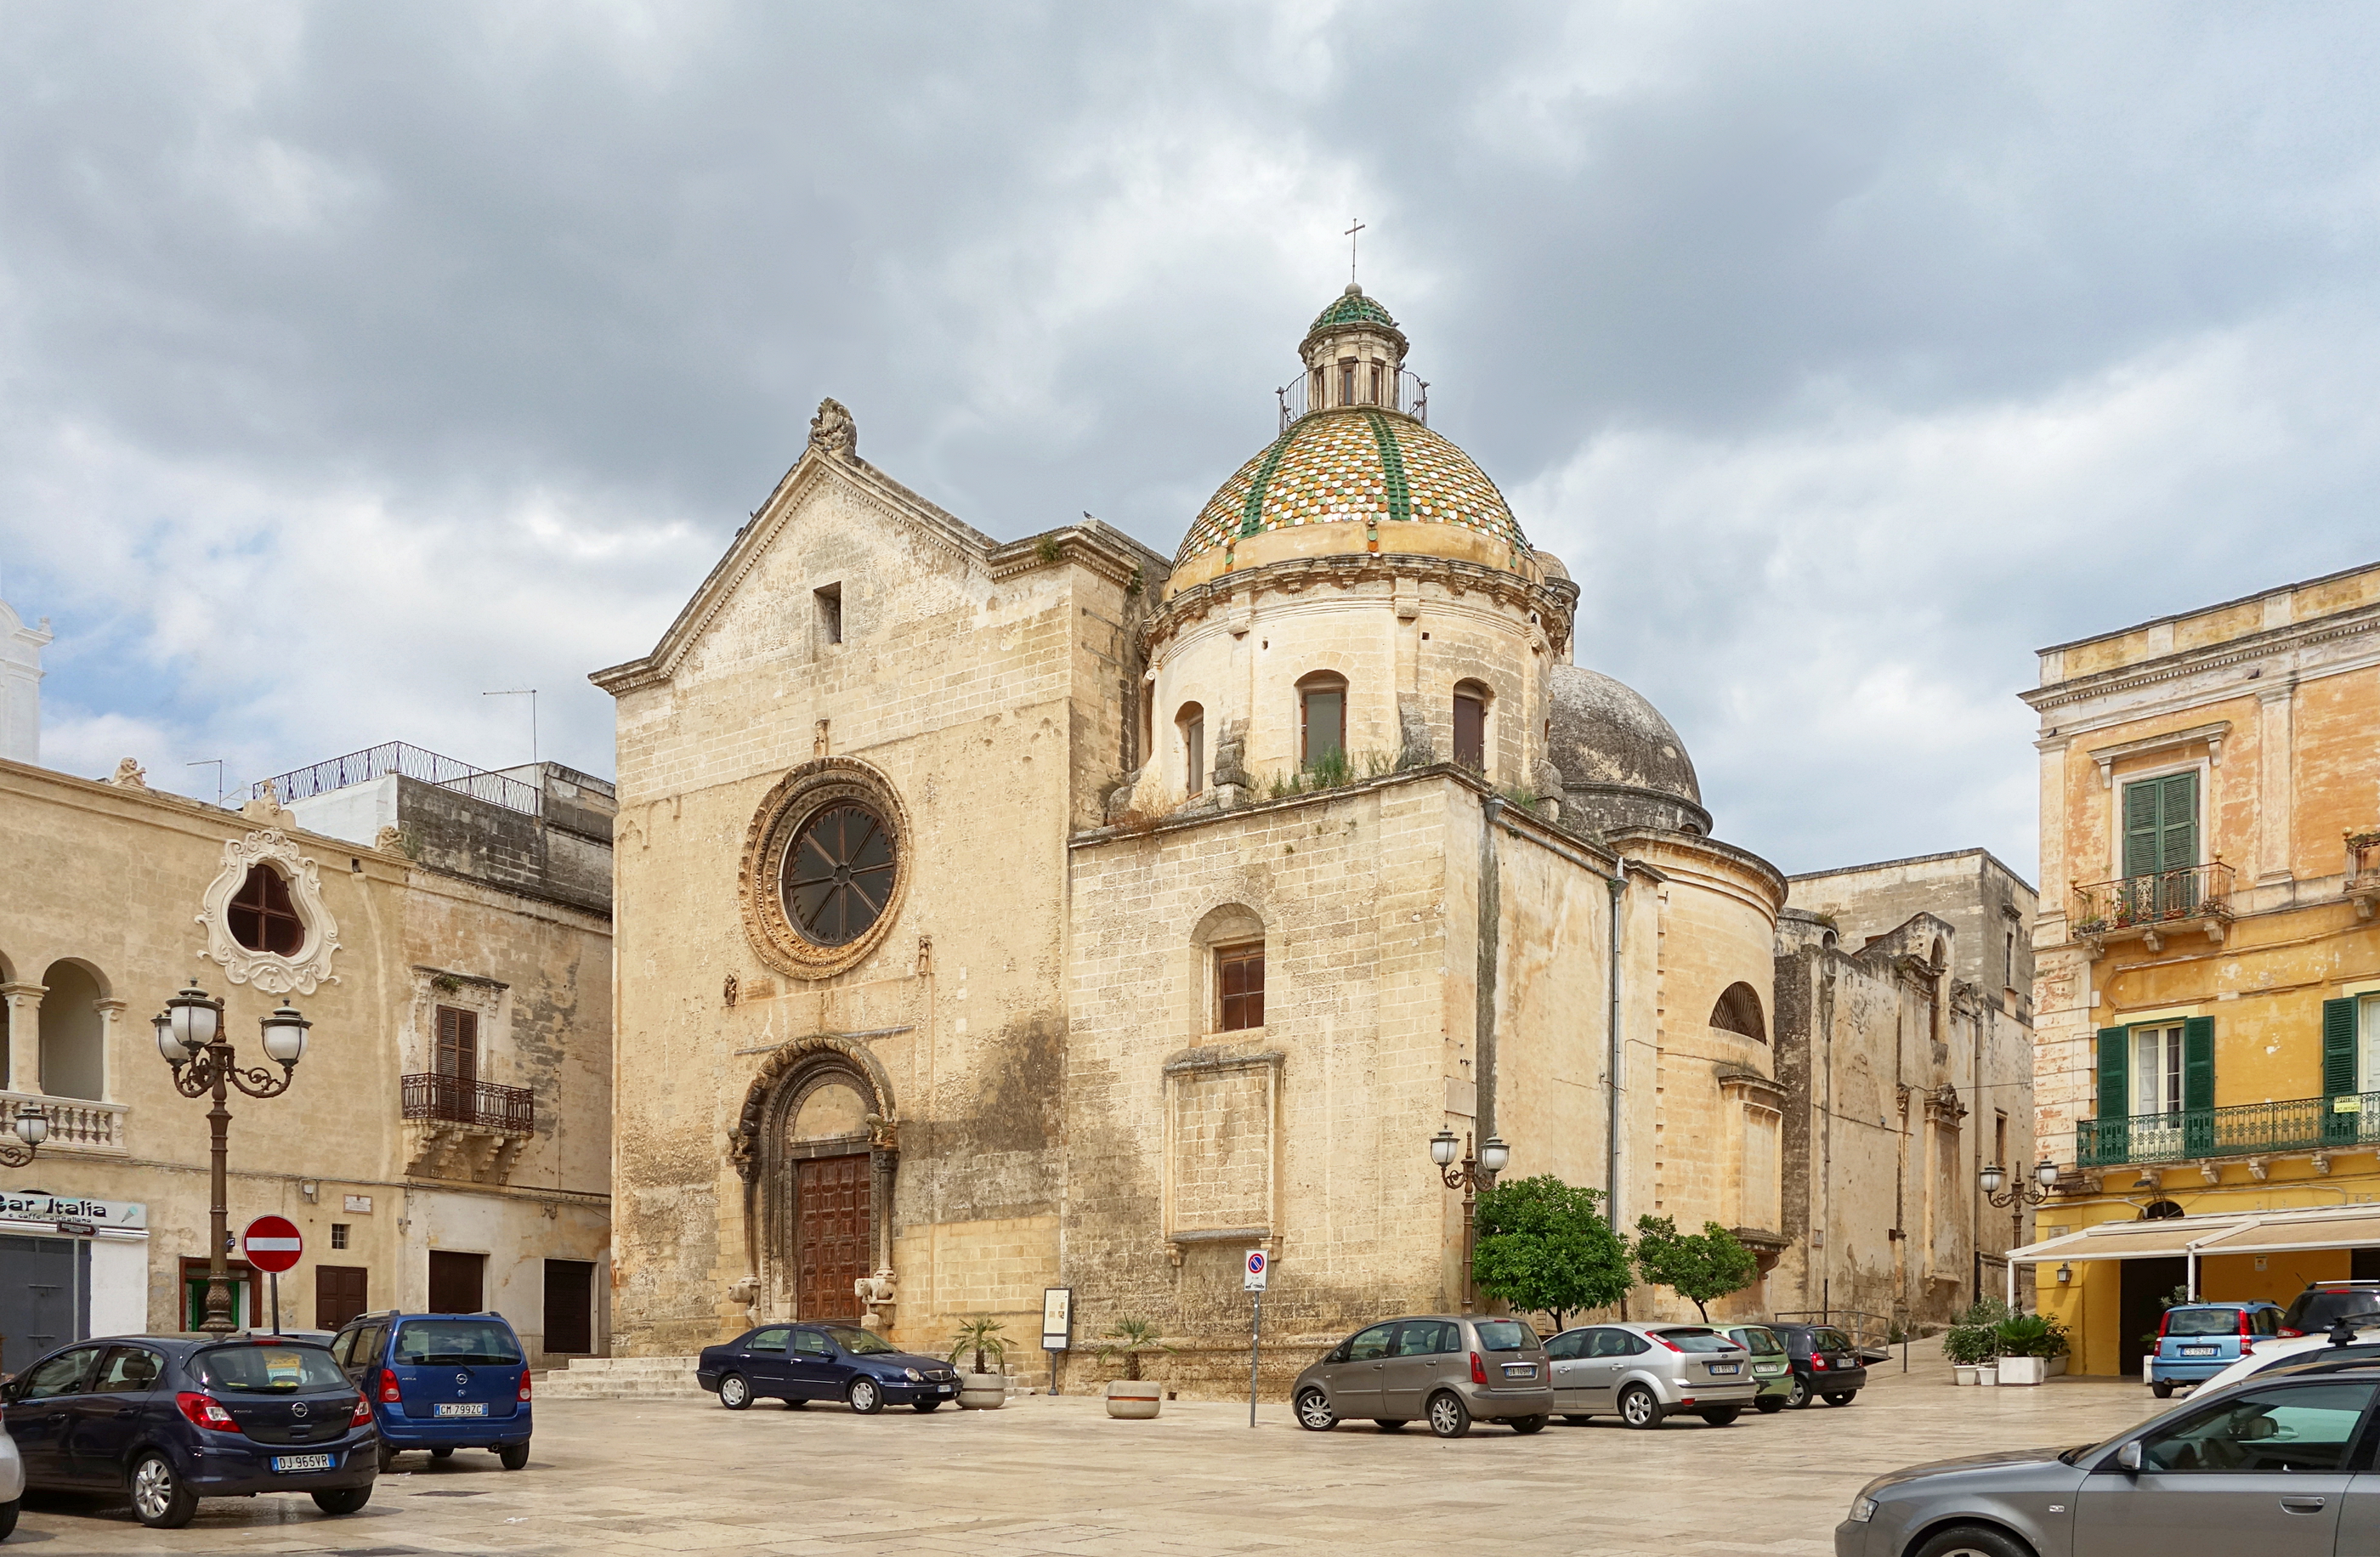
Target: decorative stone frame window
[272, 972]
[1230, 936]
[1738, 1011]
[804, 795]
[1219, 1146]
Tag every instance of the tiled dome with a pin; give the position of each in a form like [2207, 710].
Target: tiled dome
[1356, 465]
[1353, 308]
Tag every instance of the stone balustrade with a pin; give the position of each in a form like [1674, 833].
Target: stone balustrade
[75, 1123]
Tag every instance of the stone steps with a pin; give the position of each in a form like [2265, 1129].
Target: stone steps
[621, 1379]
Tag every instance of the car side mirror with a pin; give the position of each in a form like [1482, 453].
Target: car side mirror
[2128, 1458]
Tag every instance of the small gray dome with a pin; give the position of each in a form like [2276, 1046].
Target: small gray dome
[1623, 764]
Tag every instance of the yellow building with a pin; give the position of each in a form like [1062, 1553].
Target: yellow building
[2208, 963]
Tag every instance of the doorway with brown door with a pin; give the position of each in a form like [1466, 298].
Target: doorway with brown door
[339, 1294]
[458, 1282]
[831, 1234]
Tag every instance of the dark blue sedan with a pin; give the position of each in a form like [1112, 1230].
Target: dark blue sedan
[800, 1363]
[174, 1418]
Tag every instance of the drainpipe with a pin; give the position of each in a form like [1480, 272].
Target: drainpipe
[1619, 885]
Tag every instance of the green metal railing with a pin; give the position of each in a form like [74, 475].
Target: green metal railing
[2241, 1130]
[2198, 892]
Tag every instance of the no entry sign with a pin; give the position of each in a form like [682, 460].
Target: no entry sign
[272, 1243]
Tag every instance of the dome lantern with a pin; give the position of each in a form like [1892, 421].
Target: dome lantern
[1355, 356]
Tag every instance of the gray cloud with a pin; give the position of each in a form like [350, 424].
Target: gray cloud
[356, 360]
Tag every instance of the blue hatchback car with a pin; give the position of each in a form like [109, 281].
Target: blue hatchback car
[441, 1382]
[2197, 1341]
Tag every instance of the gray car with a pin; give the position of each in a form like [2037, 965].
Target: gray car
[1644, 1373]
[2278, 1466]
[1448, 1369]
[12, 1482]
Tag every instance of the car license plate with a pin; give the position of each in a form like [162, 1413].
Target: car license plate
[1519, 1371]
[945, 1388]
[2199, 1351]
[462, 1408]
[1719, 1368]
[283, 1464]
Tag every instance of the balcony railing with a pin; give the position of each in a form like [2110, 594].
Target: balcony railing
[458, 1100]
[409, 761]
[1407, 393]
[75, 1123]
[2242, 1130]
[2141, 905]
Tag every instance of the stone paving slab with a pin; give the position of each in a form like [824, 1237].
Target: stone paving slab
[1055, 1478]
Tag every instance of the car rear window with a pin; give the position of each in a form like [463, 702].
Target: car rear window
[2320, 1309]
[1505, 1335]
[2202, 1321]
[1833, 1341]
[456, 1344]
[252, 1369]
[1699, 1341]
[1761, 1342]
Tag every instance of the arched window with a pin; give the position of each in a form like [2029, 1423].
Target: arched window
[1231, 938]
[1738, 1011]
[1321, 719]
[261, 917]
[74, 1035]
[1192, 723]
[1470, 725]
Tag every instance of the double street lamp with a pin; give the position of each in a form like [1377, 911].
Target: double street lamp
[1471, 1175]
[32, 1127]
[2018, 1194]
[190, 1036]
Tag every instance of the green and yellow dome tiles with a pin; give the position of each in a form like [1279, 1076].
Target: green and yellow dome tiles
[1353, 308]
[1356, 465]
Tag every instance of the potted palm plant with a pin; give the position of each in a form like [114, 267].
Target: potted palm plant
[1132, 1396]
[982, 1390]
[2027, 1341]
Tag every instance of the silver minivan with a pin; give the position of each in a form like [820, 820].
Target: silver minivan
[1446, 1368]
[1642, 1373]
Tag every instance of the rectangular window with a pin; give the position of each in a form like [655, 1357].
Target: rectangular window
[338, 1234]
[1239, 983]
[1322, 723]
[2368, 1072]
[1471, 731]
[1376, 384]
[1347, 383]
[1193, 737]
[1999, 1139]
[458, 1043]
[829, 613]
[2156, 1071]
[2161, 825]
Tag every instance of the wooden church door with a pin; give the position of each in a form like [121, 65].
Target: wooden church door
[831, 1234]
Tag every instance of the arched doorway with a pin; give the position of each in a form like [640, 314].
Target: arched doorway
[816, 1147]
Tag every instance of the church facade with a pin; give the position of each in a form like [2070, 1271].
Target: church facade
[1000, 917]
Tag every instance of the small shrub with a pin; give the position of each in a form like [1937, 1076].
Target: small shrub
[1128, 1338]
[983, 1335]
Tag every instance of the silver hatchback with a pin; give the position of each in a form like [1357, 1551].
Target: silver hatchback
[1447, 1368]
[1642, 1373]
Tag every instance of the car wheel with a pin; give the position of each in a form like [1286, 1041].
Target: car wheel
[1580, 1418]
[1843, 1397]
[9, 1516]
[387, 1459]
[2162, 1391]
[865, 1397]
[734, 1393]
[1449, 1417]
[1314, 1413]
[1971, 1540]
[1638, 1408]
[1389, 1424]
[445, 1453]
[921, 1406]
[1525, 1425]
[1724, 1417]
[346, 1500]
[797, 1405]
[159, 1498]
[1769, 1404]
[512, 1456]
[1800, 1397]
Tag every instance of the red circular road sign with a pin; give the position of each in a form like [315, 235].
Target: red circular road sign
[272, 1243]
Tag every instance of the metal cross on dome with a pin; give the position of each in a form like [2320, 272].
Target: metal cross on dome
[1352, 231]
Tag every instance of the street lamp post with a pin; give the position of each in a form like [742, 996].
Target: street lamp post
[190, 1036]
[33, 1128]
[2018, 1194]
[1471, 1175]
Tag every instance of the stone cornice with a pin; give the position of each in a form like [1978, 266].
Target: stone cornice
[2183, 663]
[1552, 602]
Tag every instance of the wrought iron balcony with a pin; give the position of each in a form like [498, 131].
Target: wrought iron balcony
[483, 1105]
[1406, 392]
[2150, 907]
[2241, 1130]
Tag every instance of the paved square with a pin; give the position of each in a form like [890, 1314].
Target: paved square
[1048, 1476]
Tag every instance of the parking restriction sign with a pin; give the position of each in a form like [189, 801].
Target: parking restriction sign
[1256, 1277]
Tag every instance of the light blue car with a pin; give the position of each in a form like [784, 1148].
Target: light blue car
[2197, 1341]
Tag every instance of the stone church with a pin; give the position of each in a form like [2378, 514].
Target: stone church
[998, 915]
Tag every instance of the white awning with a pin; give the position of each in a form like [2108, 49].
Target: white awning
[2308, 1227]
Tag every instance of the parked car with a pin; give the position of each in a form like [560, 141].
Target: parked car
[1772, 1367]
[1826, 1364]
[800, 1363]
[2324, 1304]
[12, 1481]
[2281, 1444]
[1448, 1369]
[441, 1382]
[2294, 1348]
[174, 1418]
[2197, 1341]
[1643, 1373]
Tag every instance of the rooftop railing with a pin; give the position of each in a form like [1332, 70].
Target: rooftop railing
[2241, 1130]
[2197, 892]
[406, 761]
[459, 1099]
[1406, 392]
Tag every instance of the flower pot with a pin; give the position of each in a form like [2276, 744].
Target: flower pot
[982, 1392]
[1989, 1374]
[2024, 1371]
[2056, 1367]
[1965, 1372]
[1135, 1399]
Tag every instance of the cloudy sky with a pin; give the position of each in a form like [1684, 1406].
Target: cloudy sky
[355, 360]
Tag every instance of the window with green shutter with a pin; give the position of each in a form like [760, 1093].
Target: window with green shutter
[2107, 1139]
[2161, 825]
[2341, 1087]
